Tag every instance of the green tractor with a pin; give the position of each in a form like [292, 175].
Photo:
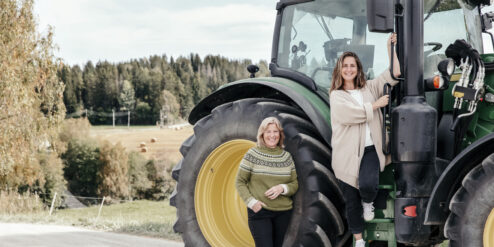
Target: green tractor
[440, 184]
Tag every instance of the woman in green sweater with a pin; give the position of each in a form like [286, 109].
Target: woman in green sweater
[266, 180]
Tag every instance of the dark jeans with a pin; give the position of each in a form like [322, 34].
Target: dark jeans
[368, 181]
[268, 227]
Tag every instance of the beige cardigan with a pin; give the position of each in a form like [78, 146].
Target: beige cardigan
[348, 120]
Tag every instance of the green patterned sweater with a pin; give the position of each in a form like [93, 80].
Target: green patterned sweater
[262, 168]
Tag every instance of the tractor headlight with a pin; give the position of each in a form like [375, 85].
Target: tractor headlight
[441, 82]
[446, 67]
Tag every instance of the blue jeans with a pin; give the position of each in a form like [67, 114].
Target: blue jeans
[268, 227]
[368, 180]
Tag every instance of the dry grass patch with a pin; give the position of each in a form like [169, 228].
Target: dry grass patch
[165, 148]
[12, 202]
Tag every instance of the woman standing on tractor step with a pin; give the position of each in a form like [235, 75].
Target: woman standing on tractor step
[266, 180]
[356, 122]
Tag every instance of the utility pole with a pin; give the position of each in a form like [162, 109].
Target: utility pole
[128, 119]
[113, 114]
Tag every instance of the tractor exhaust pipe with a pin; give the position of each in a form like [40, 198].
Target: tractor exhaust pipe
[413, 135]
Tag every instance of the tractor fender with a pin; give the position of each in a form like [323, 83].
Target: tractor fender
[313, 104]
[450, 180]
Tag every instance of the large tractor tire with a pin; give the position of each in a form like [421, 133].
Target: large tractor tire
[471, 222]
[209, 210]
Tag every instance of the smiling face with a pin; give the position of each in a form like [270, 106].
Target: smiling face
[349, 69]
[271, 136]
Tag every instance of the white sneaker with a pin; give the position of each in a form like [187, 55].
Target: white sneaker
[360, 243]
[368, 211]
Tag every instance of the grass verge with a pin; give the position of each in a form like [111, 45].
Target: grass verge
[144, 218]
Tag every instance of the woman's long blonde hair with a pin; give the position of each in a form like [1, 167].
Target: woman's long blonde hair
[337, 80]
[264, 125]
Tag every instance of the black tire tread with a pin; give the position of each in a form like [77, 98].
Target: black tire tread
[473, 197]
[331, 212]
[176, 170]
[321, 235]
[309, 143]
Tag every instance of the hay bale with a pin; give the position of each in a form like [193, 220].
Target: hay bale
[144, 149]
[154, 139]
[143, 144]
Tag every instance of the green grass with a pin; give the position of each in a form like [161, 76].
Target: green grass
[146, 218]
[444, 244]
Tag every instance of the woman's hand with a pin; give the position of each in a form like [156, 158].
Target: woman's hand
[258, 206]
[392, 39]
[396, 63]
[274, 192]
[381, 102]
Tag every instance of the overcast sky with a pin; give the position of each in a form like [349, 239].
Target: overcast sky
[119, 30]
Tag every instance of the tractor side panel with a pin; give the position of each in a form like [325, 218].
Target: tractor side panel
[450, 180]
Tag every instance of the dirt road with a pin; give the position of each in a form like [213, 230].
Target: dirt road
[23, 235]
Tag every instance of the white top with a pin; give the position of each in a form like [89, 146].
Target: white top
[357, 95]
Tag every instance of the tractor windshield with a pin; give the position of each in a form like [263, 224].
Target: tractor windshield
[314, 34]
[445, 22]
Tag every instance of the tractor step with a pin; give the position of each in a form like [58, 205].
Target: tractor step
[382, 228]
[386, 186]
[375, 221]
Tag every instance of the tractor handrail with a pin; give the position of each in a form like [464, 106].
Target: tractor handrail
[386, 111]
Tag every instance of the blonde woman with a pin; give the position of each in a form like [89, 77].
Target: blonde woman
[356, 122]
[266, 181]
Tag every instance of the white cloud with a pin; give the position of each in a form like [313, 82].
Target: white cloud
[116, 31]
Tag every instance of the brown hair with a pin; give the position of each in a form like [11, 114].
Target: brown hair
[264, 125]
[337, 80]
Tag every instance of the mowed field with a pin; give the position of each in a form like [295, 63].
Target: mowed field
[166, 147]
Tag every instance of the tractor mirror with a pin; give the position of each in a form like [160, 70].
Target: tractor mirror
[380, 14]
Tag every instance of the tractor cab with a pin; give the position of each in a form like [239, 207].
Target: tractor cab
[311, 35]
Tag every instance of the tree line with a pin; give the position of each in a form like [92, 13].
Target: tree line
[148, 86]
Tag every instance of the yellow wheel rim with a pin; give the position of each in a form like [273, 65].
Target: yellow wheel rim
[220, 212]
[489, 230]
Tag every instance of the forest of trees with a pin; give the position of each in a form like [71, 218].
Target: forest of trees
[147, 86]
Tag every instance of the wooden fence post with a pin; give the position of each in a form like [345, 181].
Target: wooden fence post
[100, 207]
[53, 203]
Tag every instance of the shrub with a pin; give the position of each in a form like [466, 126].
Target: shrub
[53, 177]
[82, 163]
[114, 171]
[74, 129]
[159, 174]
[138, 176]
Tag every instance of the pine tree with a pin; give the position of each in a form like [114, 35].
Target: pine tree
[90, 92]
[127, 96]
